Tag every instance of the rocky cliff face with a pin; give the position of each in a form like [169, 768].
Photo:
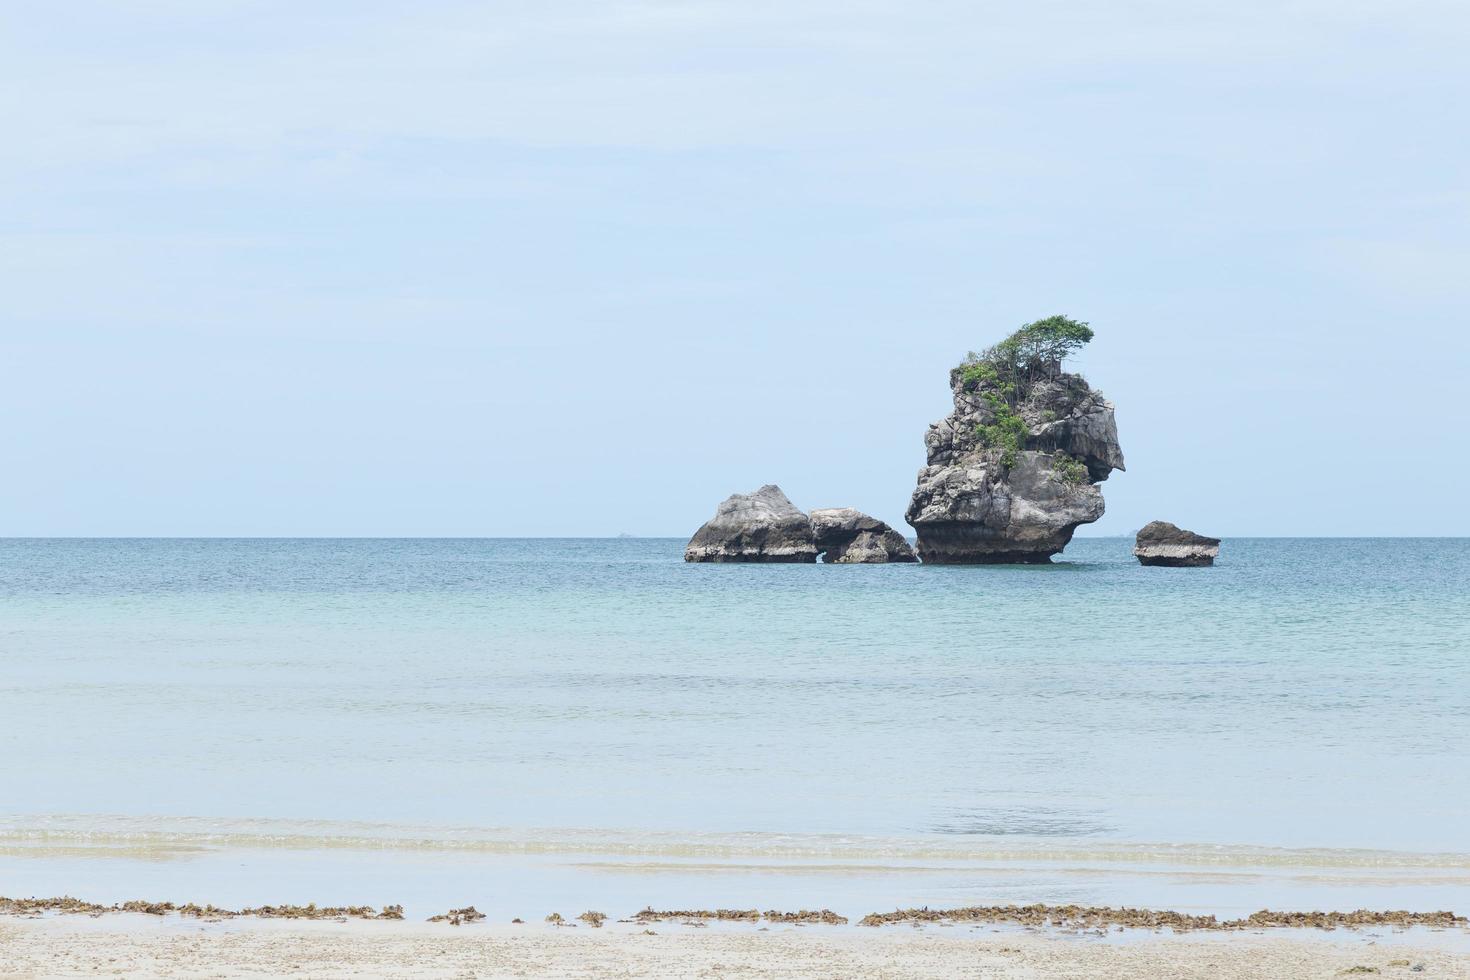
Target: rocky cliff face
[980, 500]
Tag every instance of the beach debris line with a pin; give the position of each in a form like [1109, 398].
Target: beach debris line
[650, 914]
[1033, 916]
[149, 908]
[824, 916]
[312, 912]
[1353, 920]
[1065, 916]
[459, 916]
[1094, 917]
[66, 905]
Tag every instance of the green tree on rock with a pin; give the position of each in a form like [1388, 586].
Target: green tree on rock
[1038, 348]
[1003, 375]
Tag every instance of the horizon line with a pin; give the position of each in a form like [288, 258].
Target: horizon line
[623, 537]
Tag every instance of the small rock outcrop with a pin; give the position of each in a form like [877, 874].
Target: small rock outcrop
[849, 537]
[1013, 470]
[1162, 543]
[762, 526]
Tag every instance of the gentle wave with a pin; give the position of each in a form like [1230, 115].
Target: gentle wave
[158, 837]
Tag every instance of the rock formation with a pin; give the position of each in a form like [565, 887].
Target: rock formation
[850, 537]
[1013, 470]
[1162, 543]
[759, 527]
[764, 526]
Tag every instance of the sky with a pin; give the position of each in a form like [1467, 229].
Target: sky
[586, 267]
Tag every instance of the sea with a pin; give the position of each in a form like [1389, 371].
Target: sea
[562, 724]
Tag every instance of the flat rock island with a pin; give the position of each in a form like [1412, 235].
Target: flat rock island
[1162, 543]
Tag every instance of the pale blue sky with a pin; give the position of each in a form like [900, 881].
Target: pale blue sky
[563, 268]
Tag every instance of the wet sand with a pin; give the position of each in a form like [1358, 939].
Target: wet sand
[145, 946]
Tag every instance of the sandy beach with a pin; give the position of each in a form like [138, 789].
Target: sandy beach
[137, 947]
[715, 489]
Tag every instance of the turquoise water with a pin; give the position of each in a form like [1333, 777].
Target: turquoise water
[598, 715]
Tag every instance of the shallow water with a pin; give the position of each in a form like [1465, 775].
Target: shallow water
[597, 715]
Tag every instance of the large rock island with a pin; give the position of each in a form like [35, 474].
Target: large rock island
[1013, 471]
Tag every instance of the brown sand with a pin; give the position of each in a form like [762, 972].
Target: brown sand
[145, 946]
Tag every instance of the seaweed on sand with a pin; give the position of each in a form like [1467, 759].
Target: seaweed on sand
[458, 916]
[1098, 917]
[825, 917]
[66, 905]
[651, 914]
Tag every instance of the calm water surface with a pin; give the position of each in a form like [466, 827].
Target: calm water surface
[605, 709]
